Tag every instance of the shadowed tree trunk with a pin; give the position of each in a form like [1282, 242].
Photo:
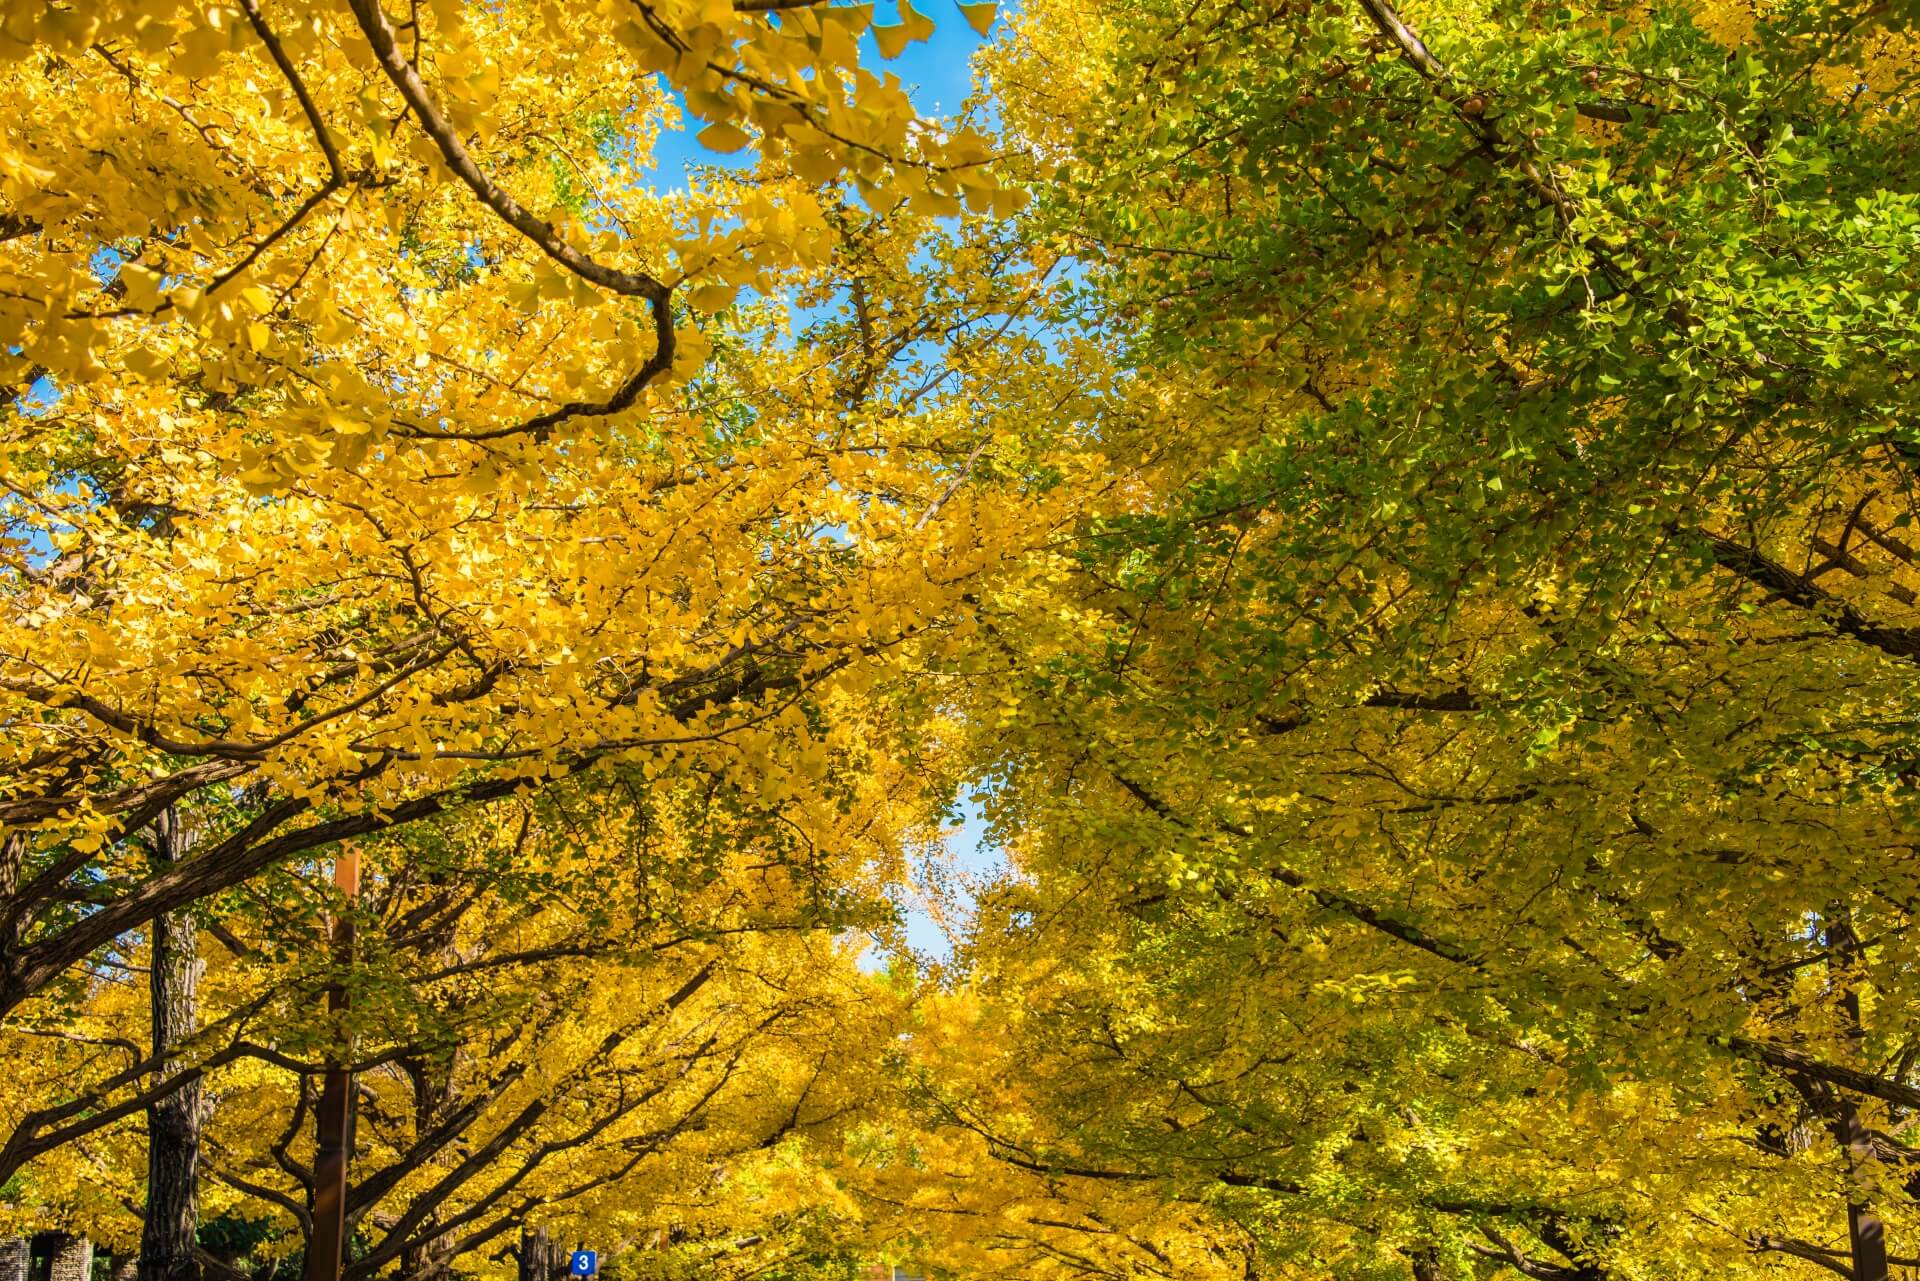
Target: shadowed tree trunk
[124, 1267]
[433, 1097]
[1866, 1234]
[70, 1259]
[539, 1256]
[173, 1122]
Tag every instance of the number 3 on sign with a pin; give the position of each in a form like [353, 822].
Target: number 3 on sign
[585, 1263]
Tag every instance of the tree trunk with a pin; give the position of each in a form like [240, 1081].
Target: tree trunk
[71, 1258]
[1867, 1236]
[426, 1261]
[539, 1256]
[173, 1122]
[123, 1267]
[333, 1119]
[16, 1258]
[13, 854]
[430, 1259]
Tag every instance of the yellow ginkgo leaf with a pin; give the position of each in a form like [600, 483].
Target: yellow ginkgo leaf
[979, 16]
[142, 286]
[712, 298]
[935, 204]
[815, 164]
[919, 26]
[892, 40]
[724, 137]
[854, 17]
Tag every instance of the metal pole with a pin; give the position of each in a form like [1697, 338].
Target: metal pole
[333, 1119]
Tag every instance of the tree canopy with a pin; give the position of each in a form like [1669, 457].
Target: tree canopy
[1399, 518]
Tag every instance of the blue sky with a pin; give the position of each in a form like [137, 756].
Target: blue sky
[938, 75]
[972, 859]
[936, 72]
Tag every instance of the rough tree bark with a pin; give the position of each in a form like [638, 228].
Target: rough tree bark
[1866, 1234]
[173, 1122]
[432, 1097]
[13, 854]
[333, 1119]
[539, 1257]
[70, 1259]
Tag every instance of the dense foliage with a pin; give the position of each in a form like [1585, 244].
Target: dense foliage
[1402, 518]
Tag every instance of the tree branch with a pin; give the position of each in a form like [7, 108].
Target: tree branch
[1796, 589]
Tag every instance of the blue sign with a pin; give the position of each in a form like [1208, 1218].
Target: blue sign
[584, 1264]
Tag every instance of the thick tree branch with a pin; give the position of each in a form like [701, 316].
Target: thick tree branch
[1794, 1061]
[382, 38]
[1797, 589]
[631, 284]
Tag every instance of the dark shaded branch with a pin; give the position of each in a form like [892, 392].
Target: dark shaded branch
[1796, 589]
[1334, 901]
[1794, 1061]
[631, 284]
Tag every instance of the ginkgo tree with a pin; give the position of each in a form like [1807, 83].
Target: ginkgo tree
[1408, 535]
[384, 444]
[609, 1007]
[660, 1005]
[347, 485]
[1459, 771]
